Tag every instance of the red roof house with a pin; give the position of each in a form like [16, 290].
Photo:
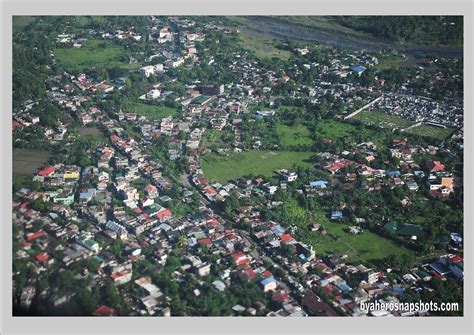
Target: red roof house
[47, 171]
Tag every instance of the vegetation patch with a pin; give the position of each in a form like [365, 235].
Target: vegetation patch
[293, 135]
[27, 161]
[152, 112]
[382, 120]
[94, 54]
[20, 22]
[225, 168]
[431, 131]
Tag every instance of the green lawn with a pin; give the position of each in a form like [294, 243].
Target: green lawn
[431, 131]
[293, 135]
[225, 168]
[364, 247]
[95, 53]
[152, 112]
[20, 22]
[382, 120]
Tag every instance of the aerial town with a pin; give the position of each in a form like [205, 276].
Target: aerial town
[202, 166]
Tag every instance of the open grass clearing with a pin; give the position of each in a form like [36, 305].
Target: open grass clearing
[94, 54]
[225, 168]
[151, 112]
[382, 120]
[28, 161]
[431, 131]
[366, 247]
[294, 135]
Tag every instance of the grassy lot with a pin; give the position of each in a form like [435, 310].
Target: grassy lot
[293, 135]
[390, 62]
[382, 120]
[95, 53]
[431, 131]
[212, 137]
[333, 129]
[224, 168]
[152, 112]
[20, 22]
[252, 40]
[89, 131]
[263, 47]
[27, 161]
[364, 247]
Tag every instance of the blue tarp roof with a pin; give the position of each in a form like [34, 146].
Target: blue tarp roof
[267, 280]
[318, 183]
[336, 214]
[358, 68]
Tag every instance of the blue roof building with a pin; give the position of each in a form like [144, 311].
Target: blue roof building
[318, 183]
[358, 68]
[335, 215]
[393, 174]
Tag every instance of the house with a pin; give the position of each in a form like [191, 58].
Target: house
[291, 176]
[212, 89]
[240, 258]
[412, 185]
[315, 306]
[358, 69]
[164, 215]
[336, 215]
[47, 172]
[104, 311]
[434, 166]
[268, 284]
[318, 184]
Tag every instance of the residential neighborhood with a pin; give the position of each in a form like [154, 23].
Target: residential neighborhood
[165, 167]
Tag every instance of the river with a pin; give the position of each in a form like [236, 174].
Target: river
[275, 27]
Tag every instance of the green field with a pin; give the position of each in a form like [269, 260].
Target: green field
[382, 120]
[390, 62]
[225, 168]
[94, 53]
[20, 22]
[28, 161]
[364, 247]
[333, 129]
[152, 112]
[293, 135]
[263, 47]
[431, 131]
[252, 40]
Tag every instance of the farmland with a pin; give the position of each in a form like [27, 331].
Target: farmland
[27, 161]
[224, 168]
